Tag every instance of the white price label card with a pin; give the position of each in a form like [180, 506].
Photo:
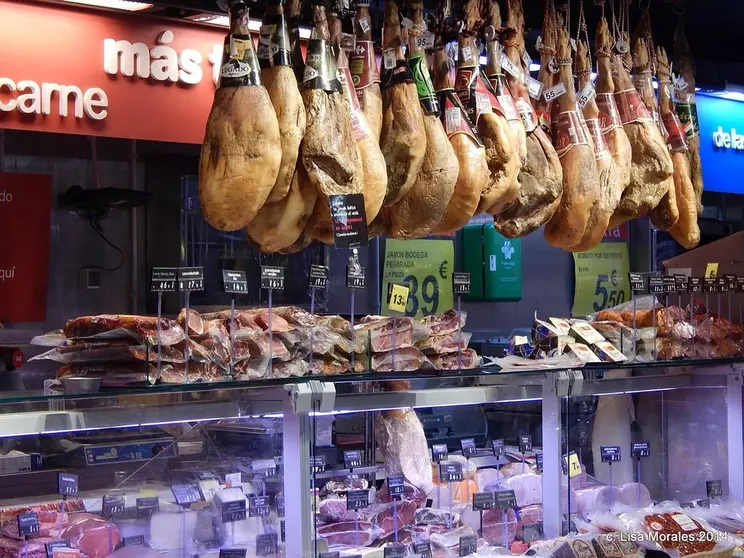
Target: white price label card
[535, 87]
[389, 59]
[452, 120]
[508, 66]
[586, 94]
[364, 24]
[467, 53]
[554, 92]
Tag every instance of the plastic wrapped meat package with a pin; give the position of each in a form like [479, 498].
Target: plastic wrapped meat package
[527, 488]
[726, 516]
[486, 476]
[597, 499]
[402, 443]
[94, 536]
[346, 533]
[635, 495]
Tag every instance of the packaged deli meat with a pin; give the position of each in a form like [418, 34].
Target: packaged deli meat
[114, 326]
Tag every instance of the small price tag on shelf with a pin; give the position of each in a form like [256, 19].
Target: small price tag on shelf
[266, 545]
[147, 506]
[610, 454]
[67, 484]
[723, 285]
[112, 506]
[355, 278]
[190, 279]
[235, 282]
[398, 298]
[655, 285]
[396, 487]
[439, 452]
[534, 87]
[484, 501]
[498, 447]
[450, 471]
[258, 506]
[731, 281]
[539, 462]
[468, 545]
[694, 285]
[639, 450]
[233, 553]
[711, 270]
[525, 443]
[468, 447]
[670, 284]
[680, 283]
[505, 499]
[357, 499]
[423, 549]
[185, 494]
[554, 92]
[50, 546]
[272, 277]
[509, 67]
[637, 283]
[710, 285]
[364, 24]
[138, 540]
[352, 459]
[532, 532]
[395, 551]
[714, 488]
[317, 463]
[460, 283]
[571, 464]
[318, 276]
[164, 279]
[28, 524]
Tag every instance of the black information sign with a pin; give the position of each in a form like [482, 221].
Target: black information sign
[352, 459]
[266, 545]
[498, 447]
[395, 551]
[525, 444]
[258, 506]
[113, 505]
[235, 552]
[185, 494]
[317, 463]
[269, 473]
[710, 285]
[163, 279]
[234, 511]
[28, 524]
[468, 545]
[694, 285]
[272, 277]
[680, 282]
[468, 447]
[670, 284]
[335, 554]
[139, 540]
[318, 276]
[67, 484]
[740, 284]
[450, 471]
[723, 285]
[423, 549]
[714, 488]
[484, 501]
[439, 452]
[732, 281]
[610, 454]
[355, 278]
[460, 283]
[532, 532]
[50, 546]
[357, 499]
[147, 506]
[279, 503]
[349, 220]
[235, 282]
[396, 487]
[505, 499]
[655, 284]
[190, 279]
[640, 449]
[637, 284]
[539, 461]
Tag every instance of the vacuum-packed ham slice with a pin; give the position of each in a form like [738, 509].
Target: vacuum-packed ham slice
[422, 208]
[445, 343]
[93, 535]
[486, 476]
[486, 113]
[403, 137]
[329, 151]
[364, 72]
[241, 155]
[119, 326]
[404, 359]
[402, 443]
[349, 533]
[597, 499]
[610, 189]
[386, 333]
[464, 360]
[473, 172]
[568, 224]
[541, 178]
[449, 322]
[651, 163]
[686, 230]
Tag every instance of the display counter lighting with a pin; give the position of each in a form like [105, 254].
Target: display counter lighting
[125, 5]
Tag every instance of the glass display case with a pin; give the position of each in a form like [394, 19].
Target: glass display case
[399, 465]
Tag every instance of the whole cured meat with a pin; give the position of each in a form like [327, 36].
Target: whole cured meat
[242, 152]
[471, 155]
[686, 231]
[486, 112]
[423, 207]
[651, 164]
[541, 179]
[329, 151]
[364, 71]
[275, 58]
[612, 128]
[93, 535]
[568, 224]
[403, 137]
[607, 171]
[118, 326]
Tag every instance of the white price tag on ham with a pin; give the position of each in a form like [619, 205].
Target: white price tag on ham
[526, 59]
[554, 92]
[467, 53]
[389, 59]
[452, 120]
[586, 94]
[428, 39]
[364, 24]
[508, 66]
[534, 87]
[482, 103]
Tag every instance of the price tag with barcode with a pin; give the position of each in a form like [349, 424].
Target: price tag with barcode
[389, 59]
[554, 92]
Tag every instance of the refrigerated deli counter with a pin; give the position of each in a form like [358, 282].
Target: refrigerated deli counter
[553, 463]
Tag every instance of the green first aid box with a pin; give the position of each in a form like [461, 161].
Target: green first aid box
[494, 263]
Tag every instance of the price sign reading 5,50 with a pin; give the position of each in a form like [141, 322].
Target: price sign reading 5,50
[608, 295]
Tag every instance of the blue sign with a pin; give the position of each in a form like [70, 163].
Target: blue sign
[721, 142]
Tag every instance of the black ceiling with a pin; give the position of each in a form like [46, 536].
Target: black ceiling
[713, 27]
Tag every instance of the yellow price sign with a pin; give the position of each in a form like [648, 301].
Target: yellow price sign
[601, 278]
[398, 298]
[711, 271]
[572, 464]
[425, 267]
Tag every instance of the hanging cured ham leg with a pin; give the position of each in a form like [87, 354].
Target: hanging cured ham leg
[241, 155]
[580, 180]
[364, 71]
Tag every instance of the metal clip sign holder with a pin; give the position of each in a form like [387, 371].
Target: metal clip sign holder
[162, 280]
[189, 279]
[355, 279]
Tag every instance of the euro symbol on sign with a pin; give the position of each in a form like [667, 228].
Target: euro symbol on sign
[613, 278]
[443, 270]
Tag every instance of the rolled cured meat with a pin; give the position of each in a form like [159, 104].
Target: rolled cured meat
[630, 495]
[597, 499]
